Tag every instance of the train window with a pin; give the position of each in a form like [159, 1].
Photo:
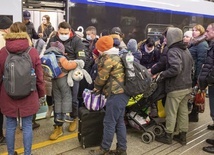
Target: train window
[155, 30]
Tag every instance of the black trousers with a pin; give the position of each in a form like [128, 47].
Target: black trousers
[1, 124]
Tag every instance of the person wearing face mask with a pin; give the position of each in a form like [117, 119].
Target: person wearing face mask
[5, 24]
[45, 28]
[91, 36]
[74, 49]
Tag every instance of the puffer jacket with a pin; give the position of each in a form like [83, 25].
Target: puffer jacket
[109, 66]
[179, 63]
[199, 54]
[208, 66]
[19, 42]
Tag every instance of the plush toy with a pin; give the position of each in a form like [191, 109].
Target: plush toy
[78, 74]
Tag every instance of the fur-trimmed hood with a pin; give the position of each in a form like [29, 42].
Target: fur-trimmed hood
[17, 42]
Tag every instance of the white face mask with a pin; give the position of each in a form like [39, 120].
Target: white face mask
[64, 37]
[88, 37]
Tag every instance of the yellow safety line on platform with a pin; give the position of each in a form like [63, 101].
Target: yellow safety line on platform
[46, 143]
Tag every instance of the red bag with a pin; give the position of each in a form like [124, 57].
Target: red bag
[200, 101]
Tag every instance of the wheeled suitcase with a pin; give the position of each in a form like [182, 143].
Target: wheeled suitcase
[90, 129]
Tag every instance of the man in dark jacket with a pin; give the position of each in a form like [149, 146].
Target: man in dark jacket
[178, 85]
[206, 78]
[74, 49]
[30, 27]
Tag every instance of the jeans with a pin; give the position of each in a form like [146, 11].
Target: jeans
[114, 121]
[211, 100]
[75, 103]
[11, 124]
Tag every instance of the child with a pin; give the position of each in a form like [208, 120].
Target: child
[61, 91]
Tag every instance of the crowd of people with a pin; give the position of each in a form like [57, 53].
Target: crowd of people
[181, 60]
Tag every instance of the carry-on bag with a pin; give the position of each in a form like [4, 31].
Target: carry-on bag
[90, 129]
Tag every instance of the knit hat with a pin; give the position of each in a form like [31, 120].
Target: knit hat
[132, 45]
[58, 45]
[188, 34]
[26, 15]
[104, 43]
[5, 22]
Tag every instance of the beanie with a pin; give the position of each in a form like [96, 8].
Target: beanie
[26, 15]
[58, 45]
[188, 34]
[5, 22]
[104, 43]
[132, 45]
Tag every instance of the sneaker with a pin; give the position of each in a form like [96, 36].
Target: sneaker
[210, 127]
[2, 140]
[35, 125]
[59, 117]
[99, 151]
[67, 118]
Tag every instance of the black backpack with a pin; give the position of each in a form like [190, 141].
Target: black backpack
[139, 83]
[19, 78]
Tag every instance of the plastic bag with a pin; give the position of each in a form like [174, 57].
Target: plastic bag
[93, 101]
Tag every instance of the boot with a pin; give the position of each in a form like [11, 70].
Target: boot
[56, 133]
[180, 138]
[73, 125]
[99, 151]
[49, 112]
[166, 139]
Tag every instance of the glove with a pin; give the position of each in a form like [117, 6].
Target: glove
[42, 100]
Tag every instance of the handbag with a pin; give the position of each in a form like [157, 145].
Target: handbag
[200, 101]
[93, 101]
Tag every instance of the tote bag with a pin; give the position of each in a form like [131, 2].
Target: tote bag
[93, 101]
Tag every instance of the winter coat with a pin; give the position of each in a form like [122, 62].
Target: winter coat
[47, 31]
[74, 47]
[149, 59]
[208, 67]
[31, 31]
[199, 54]
[2, 40]
[17, 42]
[161, 64]
[109, 66]
[179, 63]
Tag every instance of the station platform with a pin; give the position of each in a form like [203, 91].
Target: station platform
[68, 144]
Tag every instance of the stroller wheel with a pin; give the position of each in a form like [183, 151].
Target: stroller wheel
[158, 130]
[146, 137]
[152, 134]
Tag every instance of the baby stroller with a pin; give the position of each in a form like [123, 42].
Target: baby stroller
[138, 118]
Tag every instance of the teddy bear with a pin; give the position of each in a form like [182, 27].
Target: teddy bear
[78, 74]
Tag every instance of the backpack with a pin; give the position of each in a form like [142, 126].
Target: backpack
[137, 78]
[19, 77]
[50, 65]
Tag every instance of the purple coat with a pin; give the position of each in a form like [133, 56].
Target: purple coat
[16, 42]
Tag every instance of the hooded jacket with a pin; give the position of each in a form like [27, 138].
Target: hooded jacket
[179, 62]
[18, 42]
